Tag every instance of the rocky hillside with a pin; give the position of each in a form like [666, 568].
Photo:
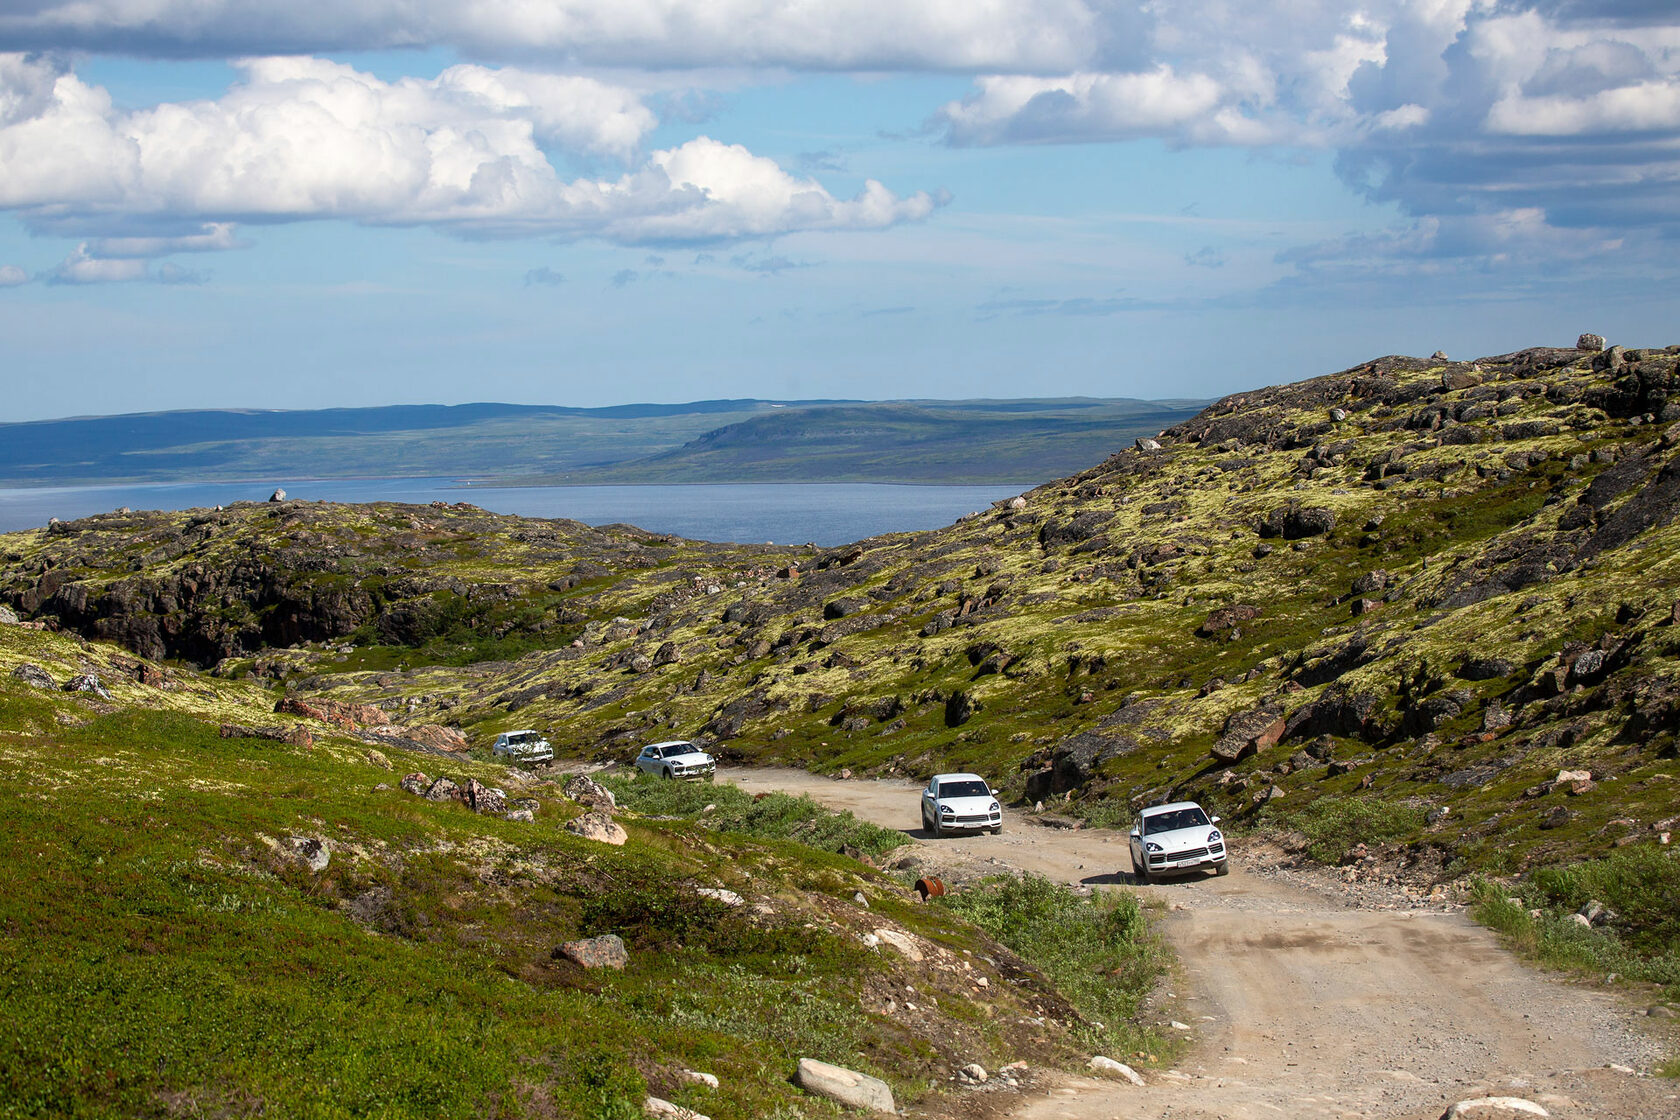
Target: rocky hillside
[1449, 587]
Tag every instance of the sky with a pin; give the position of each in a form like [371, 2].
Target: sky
[323, 203]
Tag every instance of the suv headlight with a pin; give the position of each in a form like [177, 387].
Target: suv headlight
[1152, 846]
[1214, 837]
[994, 808]
[946, 811]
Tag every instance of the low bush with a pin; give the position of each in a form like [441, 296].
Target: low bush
[1641, 942]
[1098, 953]
[776, 816]
[1333, 825]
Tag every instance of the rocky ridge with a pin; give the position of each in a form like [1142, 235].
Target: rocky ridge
[1436, 583]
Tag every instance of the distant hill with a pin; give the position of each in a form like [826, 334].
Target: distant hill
[912, 441]
[713, 441]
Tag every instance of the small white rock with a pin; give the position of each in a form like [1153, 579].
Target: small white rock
[1100, 1064]
[706, 1079]
[654, 1106]
[1492, 1108]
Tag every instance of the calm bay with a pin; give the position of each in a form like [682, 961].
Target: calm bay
[784, 513]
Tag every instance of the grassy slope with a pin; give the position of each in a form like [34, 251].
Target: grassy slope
[165, 956]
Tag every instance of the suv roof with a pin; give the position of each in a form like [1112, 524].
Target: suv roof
[1154, 810]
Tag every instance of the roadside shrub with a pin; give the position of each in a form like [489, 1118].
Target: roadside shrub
[1333, 825]
[778, 816]
[1544, 928]
[1099, 953]
[1640, 883]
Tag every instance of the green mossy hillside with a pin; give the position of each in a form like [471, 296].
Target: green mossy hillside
[168, 949]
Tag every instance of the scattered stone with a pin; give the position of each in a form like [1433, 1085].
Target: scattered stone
[848, 1087]
[8, 617]
[1147, 445]
[719, 894]
[88, 682]
[1593, 342]
[1017, 503]
[482, 799]
[310, 851]
[586, 791]
[706, 1079]
[378, 759]
[34, 676]
[657, 1106]
[1494, 1108]
[1100, 1064]
[605, 951]
[973, 1074]
[598, 826]
[444, 789]
[416, 783]
[905, 943]
[277, 496]
[1556, 818]
[521, 815]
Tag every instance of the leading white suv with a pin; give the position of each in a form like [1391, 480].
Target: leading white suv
[960, 803]
[1177, 837]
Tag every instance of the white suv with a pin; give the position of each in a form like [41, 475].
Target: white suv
[523, 746]
[1177, 837]
[960, 803]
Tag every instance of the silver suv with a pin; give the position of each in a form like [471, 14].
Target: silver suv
[523, 746]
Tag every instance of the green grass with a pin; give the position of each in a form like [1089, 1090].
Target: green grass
[1640, 884]
[158, 957]
[1333, 825]
[776, 816]
[1099, 953]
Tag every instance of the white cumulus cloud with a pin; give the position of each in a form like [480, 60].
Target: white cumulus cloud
[304, 138]
[1029, 35]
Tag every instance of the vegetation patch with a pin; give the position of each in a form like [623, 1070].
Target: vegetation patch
[1097, 952]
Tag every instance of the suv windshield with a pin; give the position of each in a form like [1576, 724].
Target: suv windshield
[964, 789]
[523, 737]
[1173, 821]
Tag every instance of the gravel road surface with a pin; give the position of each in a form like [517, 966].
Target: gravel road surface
[1308, 1000]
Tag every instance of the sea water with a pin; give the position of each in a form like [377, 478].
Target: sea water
[780, 513]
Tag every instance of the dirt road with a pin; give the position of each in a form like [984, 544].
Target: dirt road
[1307, 1003]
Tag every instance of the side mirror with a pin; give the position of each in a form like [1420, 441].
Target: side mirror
[1215, 820]
[1134, 832]
[992, 791]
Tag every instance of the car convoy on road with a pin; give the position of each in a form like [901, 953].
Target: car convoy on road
[1177, 837]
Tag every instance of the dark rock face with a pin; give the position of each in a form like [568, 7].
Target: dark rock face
[1075, 761]
[961, 708]
[1082, 527]
[1484, 668]
[735, 715]
[34, 676]
[1227, 621]
[1297, 523]
[1247, 733]
[840, 608]
[1337, 712]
